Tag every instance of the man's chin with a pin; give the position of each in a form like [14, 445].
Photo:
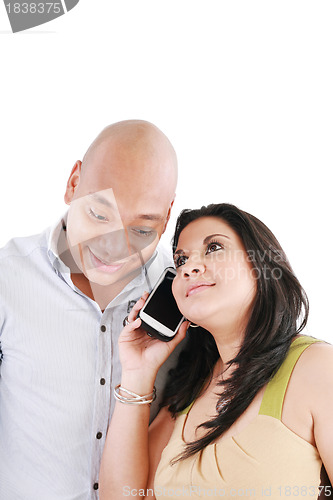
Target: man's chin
[105, 279]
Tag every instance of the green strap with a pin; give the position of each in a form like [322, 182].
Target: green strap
[272, 401]
[187, 409]
[273, 398]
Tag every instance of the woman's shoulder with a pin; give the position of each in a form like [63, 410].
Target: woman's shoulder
[309, 393]
[317, 354]
[317, 371]
[314, 370]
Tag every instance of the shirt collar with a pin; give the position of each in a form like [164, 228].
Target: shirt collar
[57, 245]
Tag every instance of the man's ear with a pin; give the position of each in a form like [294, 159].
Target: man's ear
[73, 182]
[168, 215]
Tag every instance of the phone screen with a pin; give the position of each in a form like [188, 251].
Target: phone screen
[162, 305]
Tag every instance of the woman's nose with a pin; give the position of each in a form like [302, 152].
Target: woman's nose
[192, 268]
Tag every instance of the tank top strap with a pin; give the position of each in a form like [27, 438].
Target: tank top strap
[187, 409]
[273, 398]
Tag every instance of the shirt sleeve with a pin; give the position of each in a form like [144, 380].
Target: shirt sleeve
[1, 327]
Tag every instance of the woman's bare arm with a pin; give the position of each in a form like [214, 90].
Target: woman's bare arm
[125, 462]
[128, 431]
[160, 432]
[322, 404]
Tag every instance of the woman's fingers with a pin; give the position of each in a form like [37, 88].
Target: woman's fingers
[133, 325]
[131, 332]
[137, 307]
[180, 335]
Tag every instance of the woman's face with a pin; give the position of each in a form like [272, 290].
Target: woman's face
[215, 283]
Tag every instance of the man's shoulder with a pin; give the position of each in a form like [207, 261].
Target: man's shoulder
[164, 255]
[161, 260]
[23, 246]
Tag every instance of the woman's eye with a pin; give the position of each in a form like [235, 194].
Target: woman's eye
[213, 247]
[97, 216]
[180, 260]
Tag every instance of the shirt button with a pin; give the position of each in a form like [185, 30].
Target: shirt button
[102, 381]
[99, 435]
[103, 328]
[95, 486]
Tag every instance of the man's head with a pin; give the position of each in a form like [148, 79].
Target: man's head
[120, 198]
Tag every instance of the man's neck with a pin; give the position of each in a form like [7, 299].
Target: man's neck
[101, 294]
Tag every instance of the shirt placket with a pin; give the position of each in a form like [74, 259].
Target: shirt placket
[102, 399]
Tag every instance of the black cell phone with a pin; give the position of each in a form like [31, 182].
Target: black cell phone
[160, 315]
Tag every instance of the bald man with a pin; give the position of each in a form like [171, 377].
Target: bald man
[64, 295]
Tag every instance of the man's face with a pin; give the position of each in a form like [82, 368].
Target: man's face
[112, 232]
[109, 244]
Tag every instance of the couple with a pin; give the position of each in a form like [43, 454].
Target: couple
[63, 299]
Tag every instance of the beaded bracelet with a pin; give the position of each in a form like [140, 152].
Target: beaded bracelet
[135, 399]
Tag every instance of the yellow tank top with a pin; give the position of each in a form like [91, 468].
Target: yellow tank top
[264, 460]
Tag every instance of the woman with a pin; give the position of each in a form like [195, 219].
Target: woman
[248, 410]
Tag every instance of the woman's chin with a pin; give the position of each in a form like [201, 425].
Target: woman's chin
[197, 321]
[200, 318]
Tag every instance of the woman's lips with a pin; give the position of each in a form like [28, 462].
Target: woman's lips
[102, 266]
[197, 288]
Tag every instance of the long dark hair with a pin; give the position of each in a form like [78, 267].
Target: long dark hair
[279, 312]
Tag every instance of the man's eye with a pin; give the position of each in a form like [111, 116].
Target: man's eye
[214, 246]
[97, 216]
[142, 232]
[180, 260]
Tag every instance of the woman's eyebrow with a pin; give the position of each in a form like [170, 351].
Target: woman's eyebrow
[179, 252]
[206, 240]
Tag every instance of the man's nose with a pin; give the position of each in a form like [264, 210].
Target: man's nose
[123, 242]
[116, 243]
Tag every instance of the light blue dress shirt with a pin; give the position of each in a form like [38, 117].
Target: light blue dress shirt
[59, 366]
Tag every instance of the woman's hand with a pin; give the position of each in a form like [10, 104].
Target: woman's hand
[140, 353]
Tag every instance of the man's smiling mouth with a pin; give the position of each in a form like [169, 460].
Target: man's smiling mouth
[104, 266]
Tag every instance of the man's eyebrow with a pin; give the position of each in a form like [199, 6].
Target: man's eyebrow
[101, 199]
[105, 201]
[153, 217]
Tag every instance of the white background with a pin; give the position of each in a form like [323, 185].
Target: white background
[243, 89]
